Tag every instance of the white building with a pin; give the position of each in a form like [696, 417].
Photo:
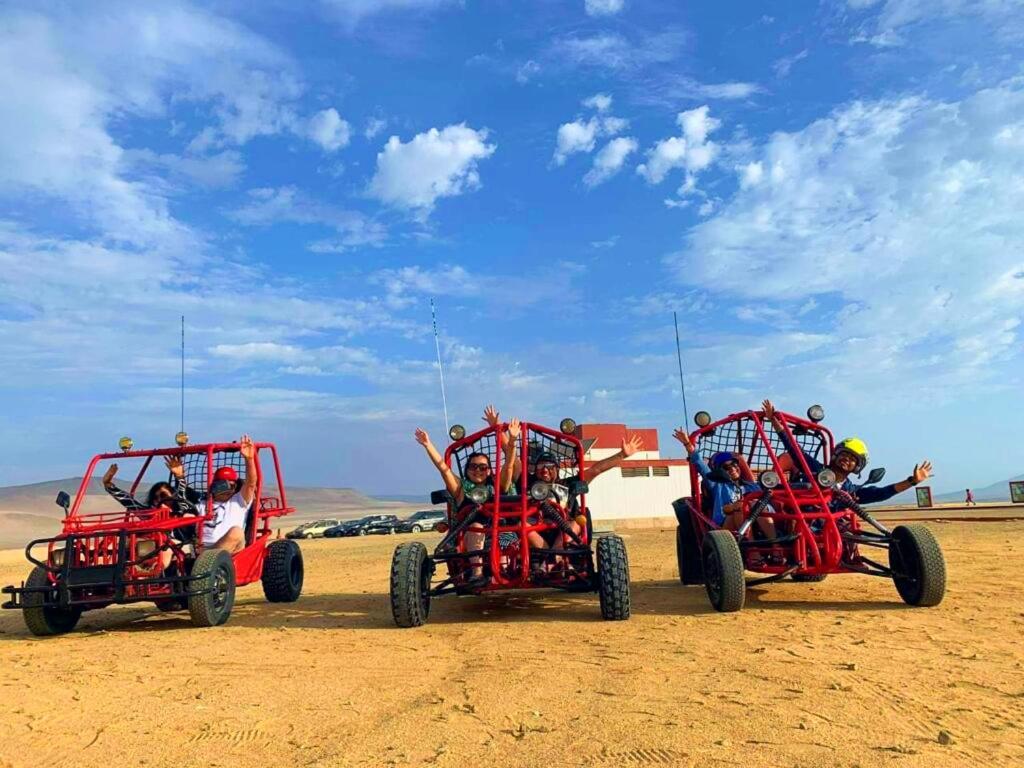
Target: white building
[643, 486]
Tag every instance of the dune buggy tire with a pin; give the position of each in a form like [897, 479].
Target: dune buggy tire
[613, 578]
[723, 571]
[213, 570]
[45, 620]
[415, 529]
[411, 571]
[687, 549]
[283, 572]
[809, 577]
[915, 555]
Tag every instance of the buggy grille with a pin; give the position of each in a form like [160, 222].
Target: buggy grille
[740, 437]
[196, 469]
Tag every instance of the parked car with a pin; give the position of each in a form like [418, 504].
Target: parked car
[426, 520]
[363, 526]
[311, 530]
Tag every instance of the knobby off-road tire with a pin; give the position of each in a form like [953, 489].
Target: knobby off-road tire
[687, 551]
[283, 572]
[723, 571]
[613, 578]
[809, 577]
[915, 555]
[213, 570]
[43, 620]
[411, 571]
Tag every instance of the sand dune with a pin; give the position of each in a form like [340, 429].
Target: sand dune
[838, 673]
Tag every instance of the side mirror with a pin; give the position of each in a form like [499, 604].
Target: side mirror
[63, 500]
[439, 497]
[875, 475]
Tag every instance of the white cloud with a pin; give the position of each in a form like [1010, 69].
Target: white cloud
[327, 129]
[692, 151]
[1004, 17]
[903, 213]
[603, 7]
[614, 52]
[577, 136]
[374, 126]
[527, 71]
[581, 135]
[268, 206]
[609, 160]
[351, 12]
[784, 65]
[430, 166]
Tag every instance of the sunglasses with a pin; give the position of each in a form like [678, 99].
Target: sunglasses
[547, 467]
[478, 466]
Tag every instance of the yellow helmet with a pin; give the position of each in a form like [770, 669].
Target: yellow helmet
[855, 447]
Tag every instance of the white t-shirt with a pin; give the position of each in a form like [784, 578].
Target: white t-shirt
[226, 515]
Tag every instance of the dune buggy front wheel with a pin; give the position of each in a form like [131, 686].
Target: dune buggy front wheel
[723, 571]
[213, 574]
[919, 569]
[43, 620]
[282, 572]
[613, 578]
[411, 571]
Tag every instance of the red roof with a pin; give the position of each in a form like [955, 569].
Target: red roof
[612, 435]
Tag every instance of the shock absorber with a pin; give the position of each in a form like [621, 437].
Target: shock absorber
[453, 534]
[759, 506]
[847, 501]
[552, 515]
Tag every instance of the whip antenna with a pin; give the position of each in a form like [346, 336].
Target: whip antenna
[679, 356]
[440, 369]
[182, 373]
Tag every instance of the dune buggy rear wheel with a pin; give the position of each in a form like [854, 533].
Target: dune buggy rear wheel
[411, 571]
[723, 571]
[283, 572]
[919, 569]
[45, 620]
[613, 578]
[214, 574]
[687, 550]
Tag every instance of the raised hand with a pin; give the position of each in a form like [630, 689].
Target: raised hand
[174, 464]
[769, 410]
[491, 415]
[681, 435]
[108, 476]
[922, 471]
[515, 428]
[246, 447]
[631, 445]
[422, 437]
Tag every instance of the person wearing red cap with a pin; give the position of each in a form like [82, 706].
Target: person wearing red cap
[226, 527]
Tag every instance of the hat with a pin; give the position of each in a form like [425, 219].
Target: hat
[226, 473]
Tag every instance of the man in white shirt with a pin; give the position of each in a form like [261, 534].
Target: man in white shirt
[226, 528]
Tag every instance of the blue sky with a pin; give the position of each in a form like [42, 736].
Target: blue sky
[829, 194]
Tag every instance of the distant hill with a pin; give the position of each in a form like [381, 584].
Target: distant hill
[30, 511]
[995, 492]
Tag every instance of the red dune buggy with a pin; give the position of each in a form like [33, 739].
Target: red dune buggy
[819, 528]
[508, 560]
[113, 556]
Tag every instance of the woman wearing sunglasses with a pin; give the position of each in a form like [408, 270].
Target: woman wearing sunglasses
[476, 473]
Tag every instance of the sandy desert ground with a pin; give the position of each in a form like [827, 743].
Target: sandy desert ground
[839, 673]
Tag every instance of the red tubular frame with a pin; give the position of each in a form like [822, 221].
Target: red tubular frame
[520, 510]
[96, 533]
[819, 553]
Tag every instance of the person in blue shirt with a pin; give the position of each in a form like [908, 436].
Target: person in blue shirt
[725, 485]
[850, 457]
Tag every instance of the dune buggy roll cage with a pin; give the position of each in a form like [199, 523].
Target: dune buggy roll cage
[89, 563]
[798, 504]
[518, 514]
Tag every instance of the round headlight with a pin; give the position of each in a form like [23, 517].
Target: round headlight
[769, 479]
[125, 443]
[181, 439]
[568, 426]
[826, 478]
[479, 494]
[702, 418]
[457, 432]
[815, 413]
[540, 491]
[57, 557]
